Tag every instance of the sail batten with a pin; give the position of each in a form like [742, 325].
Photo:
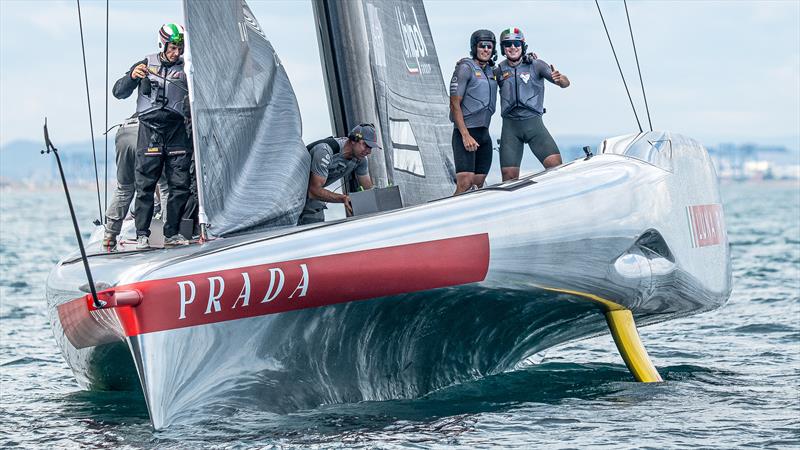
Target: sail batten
[252, 166]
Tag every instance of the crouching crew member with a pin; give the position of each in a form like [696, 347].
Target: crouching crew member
[473, 97]
[333, 159]
[123, 194]
[521, 80]
[162, 142]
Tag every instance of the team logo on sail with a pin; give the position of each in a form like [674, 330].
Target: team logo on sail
[414, 46]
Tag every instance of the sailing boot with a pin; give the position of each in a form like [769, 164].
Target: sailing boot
[142, 242]
[174, 240]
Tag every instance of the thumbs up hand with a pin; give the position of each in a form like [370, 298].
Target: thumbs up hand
[557, 77]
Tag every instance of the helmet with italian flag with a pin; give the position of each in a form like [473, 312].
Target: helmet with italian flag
[170, 33]
[512, 34]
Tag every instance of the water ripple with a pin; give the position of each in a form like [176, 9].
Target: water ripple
[732, 377]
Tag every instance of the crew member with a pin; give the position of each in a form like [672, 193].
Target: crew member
[125, 145]
[473, 97]
[521, 80]
[162, 142]
[333, 159]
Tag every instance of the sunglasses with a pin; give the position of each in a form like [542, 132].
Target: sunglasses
[486, 45]
[508, 44]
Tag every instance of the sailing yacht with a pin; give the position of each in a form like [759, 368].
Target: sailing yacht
[393, 304]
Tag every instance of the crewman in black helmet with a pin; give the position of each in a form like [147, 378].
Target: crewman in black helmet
[473, 97]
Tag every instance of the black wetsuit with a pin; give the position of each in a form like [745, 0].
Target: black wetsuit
[162, 145]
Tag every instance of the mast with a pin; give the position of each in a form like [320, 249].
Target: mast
[380, 66]
[345, 55]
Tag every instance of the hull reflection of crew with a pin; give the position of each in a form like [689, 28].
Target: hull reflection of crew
[162, 142]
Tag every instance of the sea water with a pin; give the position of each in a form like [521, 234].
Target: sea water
[732, 376]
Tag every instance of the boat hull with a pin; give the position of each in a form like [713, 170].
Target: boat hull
[398, 304]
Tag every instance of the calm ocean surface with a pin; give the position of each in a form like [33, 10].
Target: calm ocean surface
[732, 375]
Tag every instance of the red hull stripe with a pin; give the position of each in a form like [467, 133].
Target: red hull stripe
[211, 297]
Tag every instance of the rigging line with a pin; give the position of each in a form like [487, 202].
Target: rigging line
[646, 108]
[105, 135]
[88, 102]
[618, 66]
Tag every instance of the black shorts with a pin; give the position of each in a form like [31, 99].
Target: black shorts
[479, 161]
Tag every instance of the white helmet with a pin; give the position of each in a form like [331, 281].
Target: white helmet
[170, 33]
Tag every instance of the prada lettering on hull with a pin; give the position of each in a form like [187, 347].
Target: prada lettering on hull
[251, 291]
[216, 290]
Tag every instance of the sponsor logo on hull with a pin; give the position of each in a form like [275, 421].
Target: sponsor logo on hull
[251, 291]
[706, 225]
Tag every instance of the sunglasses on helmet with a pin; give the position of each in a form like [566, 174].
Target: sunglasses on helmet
[508, 44]
[486, 45]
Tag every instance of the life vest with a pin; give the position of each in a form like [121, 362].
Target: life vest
[481, 92]
[330, 140]
[520, 86]
[163, 94]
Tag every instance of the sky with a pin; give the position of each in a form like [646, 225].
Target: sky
[718, 71]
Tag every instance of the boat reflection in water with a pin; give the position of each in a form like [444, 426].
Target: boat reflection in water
[396, 304]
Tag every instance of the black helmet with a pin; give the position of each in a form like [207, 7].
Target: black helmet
[481, 36]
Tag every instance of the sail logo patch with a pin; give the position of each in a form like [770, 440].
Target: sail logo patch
[706, 225]
[414, 46]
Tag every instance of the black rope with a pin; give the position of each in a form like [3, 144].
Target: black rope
[618, 66]
[88, 101]
[633, 42]
[105, 135]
